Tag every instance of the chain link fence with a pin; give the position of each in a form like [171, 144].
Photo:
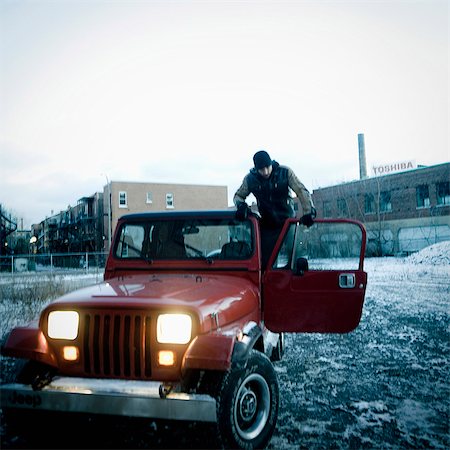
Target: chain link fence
[54, 263]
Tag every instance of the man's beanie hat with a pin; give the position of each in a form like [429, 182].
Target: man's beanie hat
[262, 159]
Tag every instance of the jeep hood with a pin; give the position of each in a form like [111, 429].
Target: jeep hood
[228, 297]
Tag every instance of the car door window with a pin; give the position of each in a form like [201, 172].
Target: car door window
[328, 246]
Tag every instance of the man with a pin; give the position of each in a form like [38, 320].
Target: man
[270, 182]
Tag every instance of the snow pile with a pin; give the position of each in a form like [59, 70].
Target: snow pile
[434, 254]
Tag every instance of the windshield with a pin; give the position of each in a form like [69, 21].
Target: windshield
[225, 239]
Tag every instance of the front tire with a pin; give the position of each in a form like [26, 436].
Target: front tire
[247, 404]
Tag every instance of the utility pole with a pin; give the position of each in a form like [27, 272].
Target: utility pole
[109, 211]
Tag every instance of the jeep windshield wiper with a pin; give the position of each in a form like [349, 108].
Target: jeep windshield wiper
[207, 259]
[198, 254]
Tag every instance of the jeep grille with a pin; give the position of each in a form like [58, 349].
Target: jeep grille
[116, 345]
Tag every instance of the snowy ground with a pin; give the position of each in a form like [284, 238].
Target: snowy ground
[385, 386]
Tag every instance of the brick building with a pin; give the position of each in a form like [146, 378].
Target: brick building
[403, 212]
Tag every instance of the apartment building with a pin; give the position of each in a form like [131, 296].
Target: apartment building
[77, 229]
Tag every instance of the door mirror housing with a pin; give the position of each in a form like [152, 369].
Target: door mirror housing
[301, 266]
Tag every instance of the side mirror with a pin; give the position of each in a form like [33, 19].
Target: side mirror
[301, 266]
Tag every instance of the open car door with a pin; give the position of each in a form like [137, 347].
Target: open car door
[315, 280]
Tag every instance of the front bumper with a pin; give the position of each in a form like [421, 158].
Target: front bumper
[112, 397]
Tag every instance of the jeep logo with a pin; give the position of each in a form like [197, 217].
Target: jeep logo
[33, 400]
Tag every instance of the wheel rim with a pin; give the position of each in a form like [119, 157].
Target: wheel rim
[252, 406]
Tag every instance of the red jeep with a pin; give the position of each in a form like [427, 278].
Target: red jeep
[185, 325]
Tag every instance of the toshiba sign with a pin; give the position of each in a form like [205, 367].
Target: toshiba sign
[385, 169]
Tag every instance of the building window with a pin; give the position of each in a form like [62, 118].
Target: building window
[369, 204]
[385, 201]
[443, 193]
[327, 210]
[169, 201]
[123, 203]
[149, 197]
[342, 207]
[423, 196]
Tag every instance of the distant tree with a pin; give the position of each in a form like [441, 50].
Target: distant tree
[7, 226]
[372, 202]
[21, 246]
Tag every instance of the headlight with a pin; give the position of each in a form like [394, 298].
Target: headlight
[173, 329]
[63, 324]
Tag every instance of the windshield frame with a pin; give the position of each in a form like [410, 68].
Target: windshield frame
[190, 231]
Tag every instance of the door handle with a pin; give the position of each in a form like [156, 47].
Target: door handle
[347, 280]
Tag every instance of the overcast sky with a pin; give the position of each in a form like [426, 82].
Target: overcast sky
[187, 91]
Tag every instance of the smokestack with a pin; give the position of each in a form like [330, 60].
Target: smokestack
[362, 157]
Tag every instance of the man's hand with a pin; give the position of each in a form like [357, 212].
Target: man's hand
[308, 219]
[242, 211]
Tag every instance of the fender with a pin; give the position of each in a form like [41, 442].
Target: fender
[209, 352]
[221, 352]
[252, 333]
[28, 343]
